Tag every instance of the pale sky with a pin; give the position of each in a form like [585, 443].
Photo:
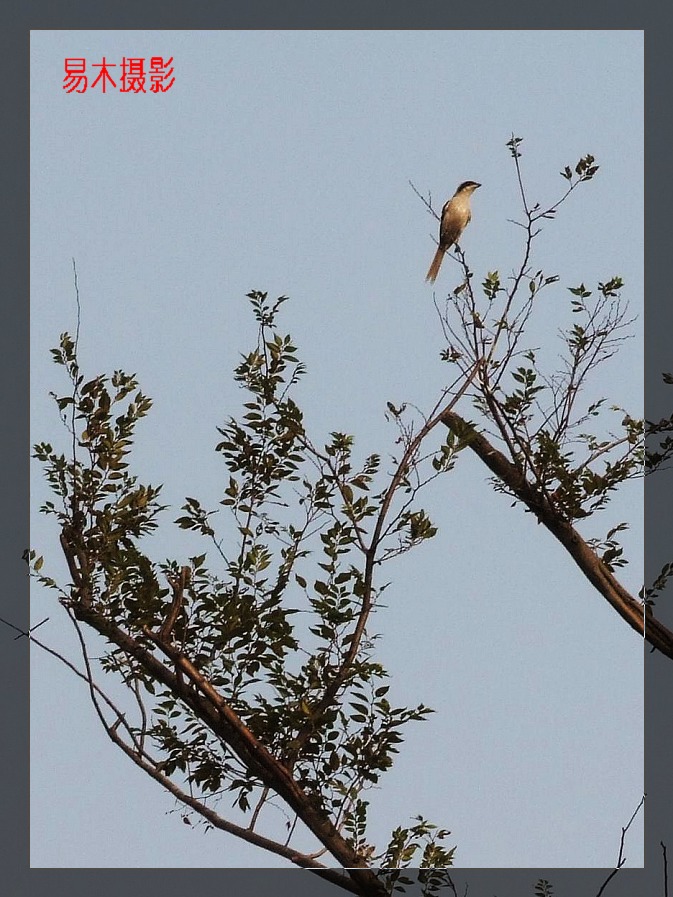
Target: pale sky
[280, 161]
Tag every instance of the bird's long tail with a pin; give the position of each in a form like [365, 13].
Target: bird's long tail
[433, 270]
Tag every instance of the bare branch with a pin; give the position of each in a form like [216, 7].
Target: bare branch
[621, 859]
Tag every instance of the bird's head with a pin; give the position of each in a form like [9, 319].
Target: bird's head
[468, 187]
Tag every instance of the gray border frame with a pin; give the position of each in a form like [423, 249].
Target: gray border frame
[18, 879]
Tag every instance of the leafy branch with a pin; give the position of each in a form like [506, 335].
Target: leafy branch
[248, 678]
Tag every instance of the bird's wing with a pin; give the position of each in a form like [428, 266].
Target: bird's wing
[450, 231]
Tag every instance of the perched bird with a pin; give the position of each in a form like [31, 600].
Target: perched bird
[456, 216]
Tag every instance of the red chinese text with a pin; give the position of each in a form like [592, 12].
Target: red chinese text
[133, 75]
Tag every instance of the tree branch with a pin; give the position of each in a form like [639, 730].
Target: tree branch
[153, 769]
[341, 674]
[631, 610]
[206, 703]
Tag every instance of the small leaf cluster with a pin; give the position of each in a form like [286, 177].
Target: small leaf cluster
[659, 450]
[609, 550]
[518, 404]
[649, 595]
[543, 888]
[402, 853]
[584, 170]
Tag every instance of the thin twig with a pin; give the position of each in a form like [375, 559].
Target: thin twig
[663, 848]
[621, 859]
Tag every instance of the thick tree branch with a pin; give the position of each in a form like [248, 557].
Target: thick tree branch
[136, 753]
[211, 708]
[631, 610]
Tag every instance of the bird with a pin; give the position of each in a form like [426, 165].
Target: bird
[456, 216]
